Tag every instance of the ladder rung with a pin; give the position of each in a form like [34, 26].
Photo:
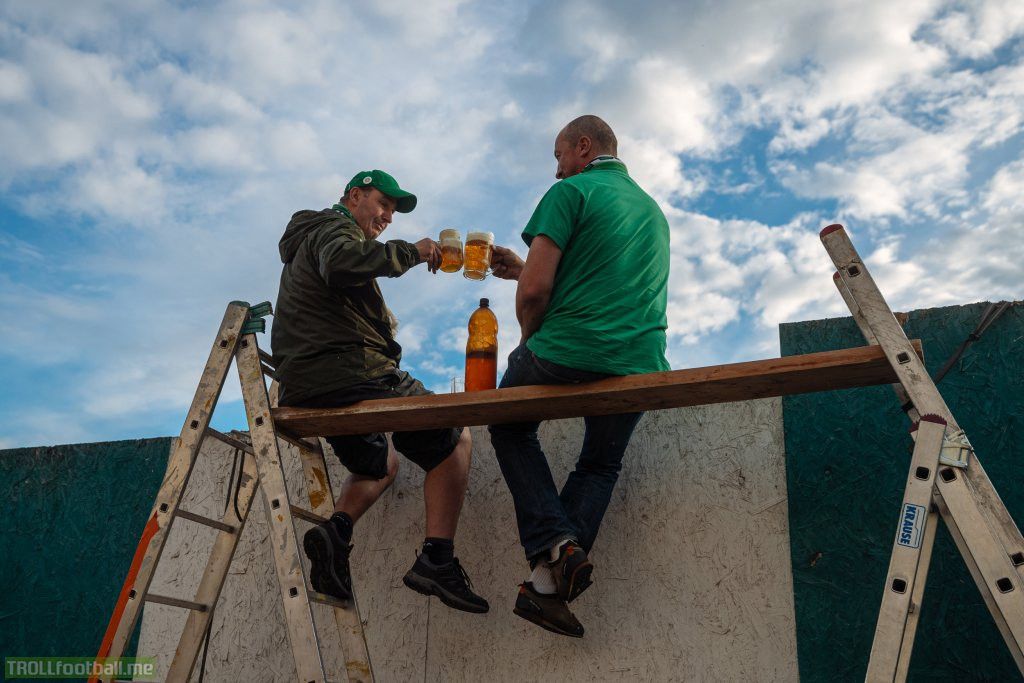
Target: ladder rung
[305, 514]
[266, 358]
[268, 371]
[299, 441]
[229, 440]
[199, 519]
[325, 599]
[175, 602]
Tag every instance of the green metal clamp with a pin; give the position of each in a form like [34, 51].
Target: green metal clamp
[255, 322]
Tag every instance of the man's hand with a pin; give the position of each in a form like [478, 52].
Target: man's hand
[505, 263]
[430, 253]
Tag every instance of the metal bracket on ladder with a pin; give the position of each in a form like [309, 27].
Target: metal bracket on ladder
[255, 322]
[262, 469]
[957, 487]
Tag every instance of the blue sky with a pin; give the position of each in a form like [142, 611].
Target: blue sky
[152, 154]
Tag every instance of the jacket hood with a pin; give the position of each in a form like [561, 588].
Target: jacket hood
[301, 224]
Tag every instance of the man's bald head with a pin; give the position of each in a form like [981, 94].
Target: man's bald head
[601, 135]
[581, 140]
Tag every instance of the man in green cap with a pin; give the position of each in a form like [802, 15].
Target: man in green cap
[591, 300]
[334, 344]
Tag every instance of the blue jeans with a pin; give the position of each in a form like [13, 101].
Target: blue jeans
[546, 517]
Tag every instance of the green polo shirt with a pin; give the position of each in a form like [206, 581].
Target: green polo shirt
[607, 308]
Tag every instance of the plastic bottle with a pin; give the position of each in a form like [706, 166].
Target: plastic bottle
[482, 349]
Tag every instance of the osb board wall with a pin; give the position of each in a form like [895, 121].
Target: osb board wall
[847, 456]
[692, 569]
[72, 516]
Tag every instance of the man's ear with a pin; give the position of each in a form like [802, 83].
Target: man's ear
[584, 145]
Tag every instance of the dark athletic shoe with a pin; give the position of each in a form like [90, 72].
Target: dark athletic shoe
[547, 611]
[328, 557]
[572, 571]
[449, 582]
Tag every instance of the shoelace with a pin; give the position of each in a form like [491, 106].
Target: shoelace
[459, 575]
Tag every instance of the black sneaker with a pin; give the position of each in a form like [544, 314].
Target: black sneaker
[328, 557]
[547, 611]
[572, 571]
[449, 582]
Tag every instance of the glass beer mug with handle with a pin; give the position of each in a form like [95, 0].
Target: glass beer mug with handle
[451, 251]
[479, 246]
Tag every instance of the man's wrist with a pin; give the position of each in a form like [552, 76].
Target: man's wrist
[417, 258]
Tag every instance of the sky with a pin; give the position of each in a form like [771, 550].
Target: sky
[151, 154]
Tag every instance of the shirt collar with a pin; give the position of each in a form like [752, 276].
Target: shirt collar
[341, 208]
[603, 162]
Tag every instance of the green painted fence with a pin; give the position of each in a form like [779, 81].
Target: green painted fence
[847, 454]
[72, 518]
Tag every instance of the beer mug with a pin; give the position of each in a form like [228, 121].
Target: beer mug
[479, 246]
[451, 251]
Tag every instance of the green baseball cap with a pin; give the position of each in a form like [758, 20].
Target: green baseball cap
[404, 201]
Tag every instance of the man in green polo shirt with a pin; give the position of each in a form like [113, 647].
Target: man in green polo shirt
[334, 344]
[591, 301]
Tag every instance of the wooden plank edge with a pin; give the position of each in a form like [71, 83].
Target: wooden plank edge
[822, 371]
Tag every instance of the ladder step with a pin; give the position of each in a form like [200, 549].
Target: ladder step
[266, 358]
[175, 602]
[268, 371]
[325, 599]
[306, 515]
[199, 519]
[229, 440]
[312, 446]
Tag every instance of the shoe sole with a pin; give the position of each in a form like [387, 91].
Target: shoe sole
[428, 587]
[579, 581]
[321, 565]
[537, 619]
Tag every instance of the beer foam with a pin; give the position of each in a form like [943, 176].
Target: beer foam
[480, 236]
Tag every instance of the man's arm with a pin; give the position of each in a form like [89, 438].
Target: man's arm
[536, 281]
[345, 258]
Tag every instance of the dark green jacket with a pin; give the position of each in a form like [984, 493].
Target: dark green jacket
[332, 328]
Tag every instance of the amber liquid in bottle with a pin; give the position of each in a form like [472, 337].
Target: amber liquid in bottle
[482, 349]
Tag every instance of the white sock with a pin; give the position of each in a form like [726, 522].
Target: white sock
[557, 549]
[542, 579]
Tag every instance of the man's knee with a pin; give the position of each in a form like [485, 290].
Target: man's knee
[465, 440]
[610, 468]
[513, 431]
[463, 451]
[392, 470]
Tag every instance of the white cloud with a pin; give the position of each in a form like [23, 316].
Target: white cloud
[411, 337]
[34, 329]
[15, 84]
[1005, 192]
[981, 28]
[201, 100]
[219, 147]
[722, 269]
[658, 170]
[45, 427]
[118, 188]
[158, 151]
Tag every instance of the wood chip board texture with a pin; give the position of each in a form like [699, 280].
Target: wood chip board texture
[692, 578]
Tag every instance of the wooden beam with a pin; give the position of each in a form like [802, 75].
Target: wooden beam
[844, 369]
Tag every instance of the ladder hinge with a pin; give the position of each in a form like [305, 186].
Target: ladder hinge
[956, 449]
